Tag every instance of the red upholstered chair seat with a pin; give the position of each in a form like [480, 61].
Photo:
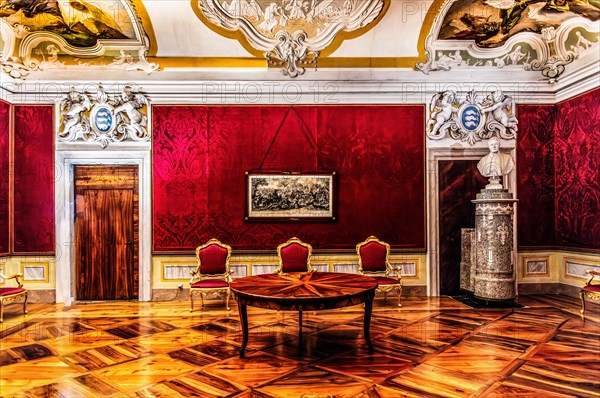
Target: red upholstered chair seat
[212, 274]
[294, 256]
[592, 288]
[210, 284]
[6, 291]
[373, 259]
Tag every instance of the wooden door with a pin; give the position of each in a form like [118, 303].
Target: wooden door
[459, 182]
[106, 233]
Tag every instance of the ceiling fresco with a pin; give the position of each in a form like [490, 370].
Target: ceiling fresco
[80, 23]
[530, 35]
[51, 34]
[539, 38]
[492, 22]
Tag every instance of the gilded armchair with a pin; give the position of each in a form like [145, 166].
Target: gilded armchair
[12, 294]
[373, 260]
[589, 289]
[294, 256]
[212, 274]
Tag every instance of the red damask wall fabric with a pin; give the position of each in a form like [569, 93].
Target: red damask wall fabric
[33, 180]
[535, 175]
[200, 154]
[559, 174]
[577, 172]
[4, 175]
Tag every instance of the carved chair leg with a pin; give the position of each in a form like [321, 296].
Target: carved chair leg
[227, 299]
[1, 311]
[25, 304]
[385, 296]
[582, 296]
[399, 295]
[202, 300]
[191, 301]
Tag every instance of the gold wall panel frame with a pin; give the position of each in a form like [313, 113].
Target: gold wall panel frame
[528, 259]
[25, 265]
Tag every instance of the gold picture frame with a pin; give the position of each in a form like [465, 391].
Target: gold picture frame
[290, 196]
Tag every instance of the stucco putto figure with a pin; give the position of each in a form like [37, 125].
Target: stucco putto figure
[495, 164]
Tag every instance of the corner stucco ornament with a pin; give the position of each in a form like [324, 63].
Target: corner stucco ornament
[102, 119]
[291, 33]
[472, 119]
[72, 35]
[555, 36]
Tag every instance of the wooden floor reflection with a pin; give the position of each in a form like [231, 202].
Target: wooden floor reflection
[431, 347]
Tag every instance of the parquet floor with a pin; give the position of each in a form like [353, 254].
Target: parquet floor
[431, 347]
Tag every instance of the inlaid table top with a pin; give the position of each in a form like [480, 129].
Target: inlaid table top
[303, 291]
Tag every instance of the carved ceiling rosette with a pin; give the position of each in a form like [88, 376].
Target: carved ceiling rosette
[290, 34]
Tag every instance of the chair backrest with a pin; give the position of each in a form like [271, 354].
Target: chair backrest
[373, 256]
[294, 256]
[213, 258]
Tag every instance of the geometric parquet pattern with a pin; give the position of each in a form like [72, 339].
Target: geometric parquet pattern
[431, 347]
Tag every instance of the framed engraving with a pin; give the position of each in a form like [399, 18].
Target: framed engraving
[290, 196]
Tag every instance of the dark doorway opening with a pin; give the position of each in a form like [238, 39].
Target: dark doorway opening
[459, 182]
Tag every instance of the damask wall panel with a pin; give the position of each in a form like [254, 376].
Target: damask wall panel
[252, 138]
[180, 175]
[34, 180]
[378, 152]
[535, 175]
[4, 175]
[577, 163]
[380, 171]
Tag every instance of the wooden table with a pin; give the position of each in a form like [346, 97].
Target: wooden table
[302, 291]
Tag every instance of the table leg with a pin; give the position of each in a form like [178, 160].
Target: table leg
[244, 322]
[300, 345]
[367, 323]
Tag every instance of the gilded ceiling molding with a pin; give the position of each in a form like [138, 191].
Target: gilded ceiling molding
[147, 27]
[507, 34]
[75, 35]
[103, 119]
[324, 63]
[472, 119]
[290, 35]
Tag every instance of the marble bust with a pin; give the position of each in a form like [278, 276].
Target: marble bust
[495, 164]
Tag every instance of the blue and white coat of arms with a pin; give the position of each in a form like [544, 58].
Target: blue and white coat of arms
[102, 119]
[473, 119]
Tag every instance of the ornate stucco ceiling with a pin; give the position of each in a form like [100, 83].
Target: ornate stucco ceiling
[166, 43]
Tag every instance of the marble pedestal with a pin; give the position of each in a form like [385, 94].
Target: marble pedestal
[468, 261]
[495, 269]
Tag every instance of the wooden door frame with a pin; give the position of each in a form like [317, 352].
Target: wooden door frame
[65, 215]
[111, 184]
